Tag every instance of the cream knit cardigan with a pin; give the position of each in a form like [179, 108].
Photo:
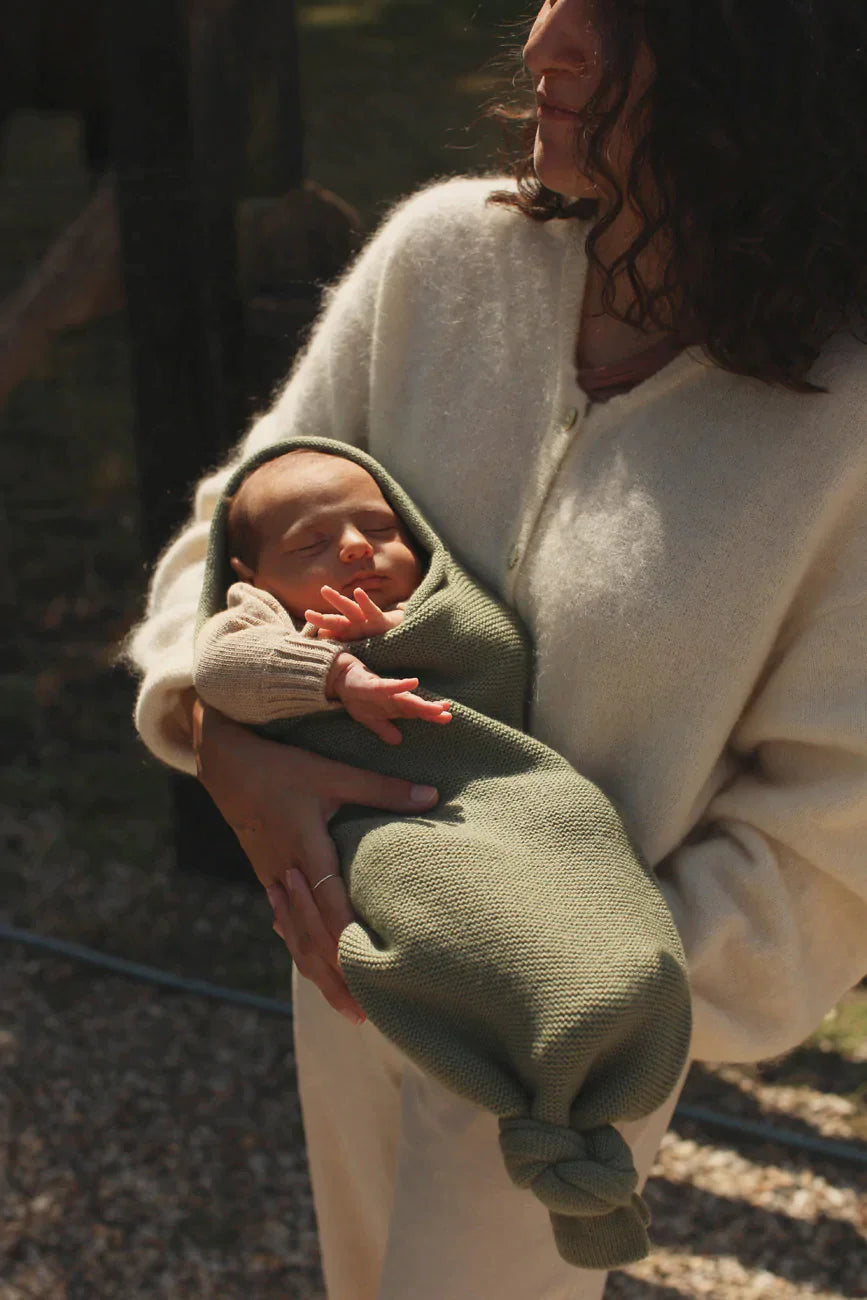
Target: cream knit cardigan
[690, 559]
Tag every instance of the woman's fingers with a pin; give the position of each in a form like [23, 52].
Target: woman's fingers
[338, 781]
[312, 942]
[248, 778]
[316, 856]
[310, 925]
[306, 842]
[297, 921]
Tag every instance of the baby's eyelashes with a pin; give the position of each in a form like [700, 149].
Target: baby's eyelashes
[309, 548]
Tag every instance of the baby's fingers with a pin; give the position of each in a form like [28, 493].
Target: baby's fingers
[333, 624]
[391, 687]
[341, 603]
[318, 619]
[369, 608]
[413, 706]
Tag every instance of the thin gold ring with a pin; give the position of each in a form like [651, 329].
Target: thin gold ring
[331, 876]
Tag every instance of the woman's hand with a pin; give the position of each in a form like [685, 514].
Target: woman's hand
[278, 800]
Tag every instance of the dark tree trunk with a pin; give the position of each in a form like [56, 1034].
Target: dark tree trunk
[208, 342]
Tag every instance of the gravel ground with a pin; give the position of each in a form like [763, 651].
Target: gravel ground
[153, 1145]
[153, 1149]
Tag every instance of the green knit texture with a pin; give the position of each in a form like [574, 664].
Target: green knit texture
[510, 941]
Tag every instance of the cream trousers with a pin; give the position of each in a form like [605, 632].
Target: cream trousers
[412, 1198]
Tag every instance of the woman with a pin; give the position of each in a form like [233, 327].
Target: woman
[625, 392]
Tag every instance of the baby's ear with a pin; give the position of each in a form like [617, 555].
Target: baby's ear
[244, 572]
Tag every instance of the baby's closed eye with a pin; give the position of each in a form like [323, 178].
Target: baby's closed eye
[309, 548]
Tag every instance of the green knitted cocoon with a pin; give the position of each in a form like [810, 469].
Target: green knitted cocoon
[510, 941]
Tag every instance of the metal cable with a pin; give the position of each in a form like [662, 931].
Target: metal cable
[766, 1133]
[830, 1150]
[149, 974]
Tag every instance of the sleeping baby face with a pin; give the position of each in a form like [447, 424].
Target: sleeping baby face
[307, 520]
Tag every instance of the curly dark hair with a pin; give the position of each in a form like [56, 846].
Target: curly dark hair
[754, 140]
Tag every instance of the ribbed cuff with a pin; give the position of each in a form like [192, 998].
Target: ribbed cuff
[296, 674]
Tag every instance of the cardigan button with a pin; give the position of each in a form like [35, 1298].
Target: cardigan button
[570, 417]
[514, 556]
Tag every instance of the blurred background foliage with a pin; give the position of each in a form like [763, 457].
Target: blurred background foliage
[394, 91]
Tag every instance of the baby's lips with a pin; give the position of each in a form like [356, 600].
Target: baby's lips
[364, 580]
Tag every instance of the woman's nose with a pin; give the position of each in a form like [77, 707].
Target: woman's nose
[562, 39]
[354, 546]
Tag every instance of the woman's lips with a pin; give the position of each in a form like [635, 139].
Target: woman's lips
[548, 112]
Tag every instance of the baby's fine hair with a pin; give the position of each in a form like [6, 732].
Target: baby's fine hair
[241, 528]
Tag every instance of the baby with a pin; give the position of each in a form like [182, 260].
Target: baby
[312, 538]
[511, 942]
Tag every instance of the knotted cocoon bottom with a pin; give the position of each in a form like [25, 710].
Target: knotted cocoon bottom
[570, 1172]
[587, 1182]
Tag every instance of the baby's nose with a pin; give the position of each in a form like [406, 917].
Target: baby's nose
[354, 546]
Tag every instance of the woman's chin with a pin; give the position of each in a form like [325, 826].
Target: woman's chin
[562, 176]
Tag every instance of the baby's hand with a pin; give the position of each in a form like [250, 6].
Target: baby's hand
[355, 619]
[373, 700]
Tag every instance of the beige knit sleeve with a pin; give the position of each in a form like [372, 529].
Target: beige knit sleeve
[253, 664]
[770, 891]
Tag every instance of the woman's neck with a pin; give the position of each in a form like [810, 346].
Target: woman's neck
[604, 340]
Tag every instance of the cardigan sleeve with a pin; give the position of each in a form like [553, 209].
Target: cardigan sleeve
[253, 663]
[326, 395]
[769, 892]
